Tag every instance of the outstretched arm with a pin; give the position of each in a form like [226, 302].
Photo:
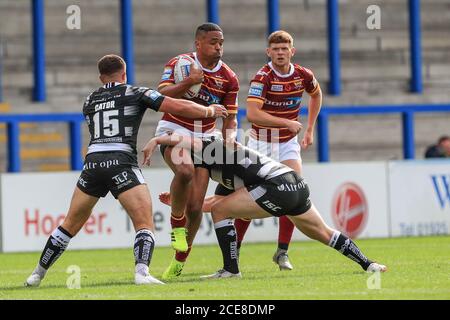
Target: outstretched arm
[171, 141]
[190, 109]
[207, 203]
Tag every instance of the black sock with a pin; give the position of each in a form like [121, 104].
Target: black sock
[283, 246]
[54, 248]
[348, 248]
[226, 235]
[144, 243]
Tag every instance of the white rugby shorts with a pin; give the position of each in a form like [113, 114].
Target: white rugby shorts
[289, 150]
[166, 127]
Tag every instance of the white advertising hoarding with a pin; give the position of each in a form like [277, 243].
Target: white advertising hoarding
[351, 197]
[33, 205]
[420, 197]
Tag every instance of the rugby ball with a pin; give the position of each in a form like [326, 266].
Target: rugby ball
[182, 70]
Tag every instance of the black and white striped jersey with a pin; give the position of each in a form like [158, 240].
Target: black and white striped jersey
[235, 166]
[114, 113]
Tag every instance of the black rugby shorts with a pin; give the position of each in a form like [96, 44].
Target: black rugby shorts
[287, 194]
[109, 171]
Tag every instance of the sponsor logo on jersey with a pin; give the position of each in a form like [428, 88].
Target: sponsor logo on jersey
[166, 74]
[208, 97]
[219, 84]
[350, 209]
[276, 87]
[256, 89]
[152, 94]
[292, 102]
[128, 131]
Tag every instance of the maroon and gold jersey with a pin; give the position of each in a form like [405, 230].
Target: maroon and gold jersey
[280, 96]
[220, 86]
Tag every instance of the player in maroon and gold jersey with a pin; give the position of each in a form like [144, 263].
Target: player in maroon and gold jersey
[219, 85]
[273, 106]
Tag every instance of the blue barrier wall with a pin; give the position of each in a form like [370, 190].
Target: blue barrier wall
[76, 120]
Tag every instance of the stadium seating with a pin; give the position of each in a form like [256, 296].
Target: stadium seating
[375, 63]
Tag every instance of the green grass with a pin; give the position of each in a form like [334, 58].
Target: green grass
[418, 269]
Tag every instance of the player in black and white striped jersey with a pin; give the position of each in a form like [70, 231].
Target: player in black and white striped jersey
[261, 188]
[114, 113]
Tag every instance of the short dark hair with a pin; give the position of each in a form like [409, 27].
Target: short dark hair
[443, 138]
[110, 64]
[207, 27]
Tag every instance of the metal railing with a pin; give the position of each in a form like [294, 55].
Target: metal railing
[13, 121]
[407, 112]
[76, 120]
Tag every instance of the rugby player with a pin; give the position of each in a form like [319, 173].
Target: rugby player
[113, 114]
[262, 187]
[219, 84]
[273, 106]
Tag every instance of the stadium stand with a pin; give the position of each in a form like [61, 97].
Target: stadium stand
[374, 65]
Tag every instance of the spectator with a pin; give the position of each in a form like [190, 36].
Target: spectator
[439, 150]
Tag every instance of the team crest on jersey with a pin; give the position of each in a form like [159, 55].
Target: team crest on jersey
[166, 74]
[152, 94]
[256, 89]
[276, 87]
[298, 84]
[219, 83]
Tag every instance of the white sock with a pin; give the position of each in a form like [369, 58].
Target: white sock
[40, 271]
[141, 269]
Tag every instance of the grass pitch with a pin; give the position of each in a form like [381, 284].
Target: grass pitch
[419, 268]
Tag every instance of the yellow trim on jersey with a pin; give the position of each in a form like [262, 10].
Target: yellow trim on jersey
[282, 112]
[165, 83]
[292, 92]
[255, 99]
[221, 91]
[281, 82]
[314, 91]
[224, 80]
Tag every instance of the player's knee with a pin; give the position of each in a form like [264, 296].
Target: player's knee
[184, 172]
[194, 211]
[217, 212]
